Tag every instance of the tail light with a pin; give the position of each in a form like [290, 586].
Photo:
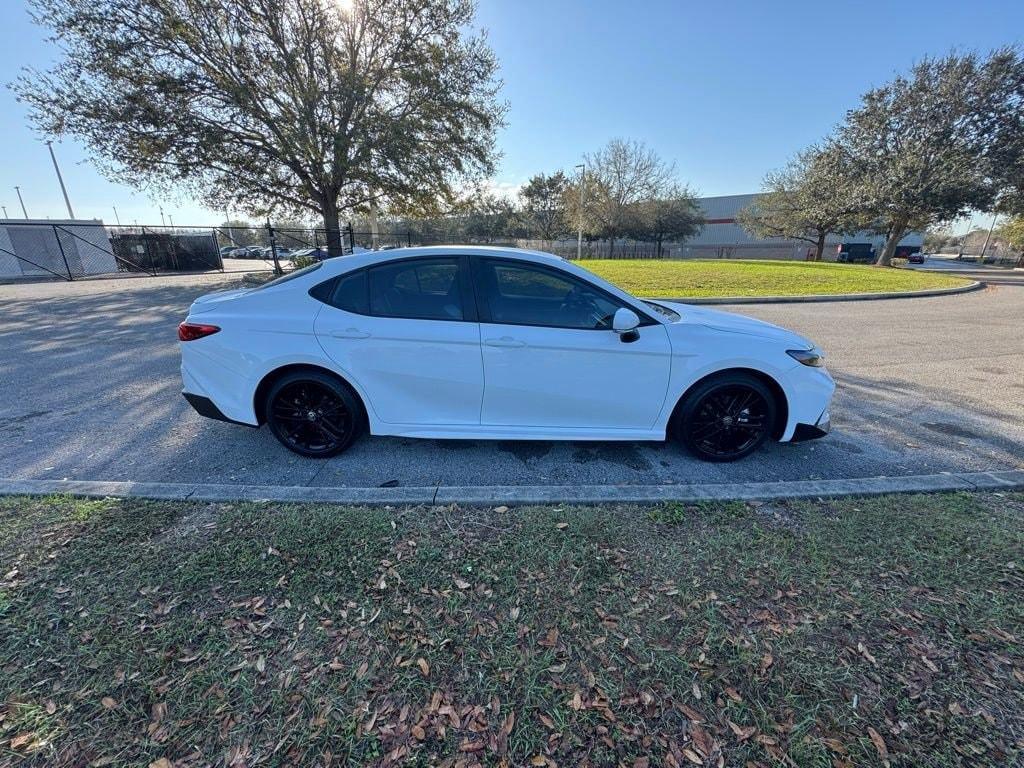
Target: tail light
[193, 331]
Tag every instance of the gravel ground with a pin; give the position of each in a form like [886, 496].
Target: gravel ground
[90, 376]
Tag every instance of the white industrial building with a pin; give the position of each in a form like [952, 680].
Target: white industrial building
[723, 238]
[54, 247]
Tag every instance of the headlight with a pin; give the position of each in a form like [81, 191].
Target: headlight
[811, 357]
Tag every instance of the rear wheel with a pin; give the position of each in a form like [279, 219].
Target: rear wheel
[313, 414]
[726, 417]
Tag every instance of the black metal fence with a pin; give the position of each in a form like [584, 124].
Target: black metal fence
[73, 250]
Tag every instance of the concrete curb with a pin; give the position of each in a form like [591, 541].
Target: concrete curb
[973, 286]
[526, 494]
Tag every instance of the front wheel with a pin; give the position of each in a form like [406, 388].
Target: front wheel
[313, 414]
[726, 417]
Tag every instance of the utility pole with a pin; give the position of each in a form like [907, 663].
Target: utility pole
[116, 217]
[67, 200]
[163, 221]
[20, 200]
[579, 237]
[981, 259]
[5, 210]
[170, 219]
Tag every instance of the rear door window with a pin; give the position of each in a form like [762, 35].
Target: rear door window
[426, 289]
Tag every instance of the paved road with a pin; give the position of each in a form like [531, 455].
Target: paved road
[89, 375]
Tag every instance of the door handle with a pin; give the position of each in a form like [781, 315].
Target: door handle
[350, 333]
[505, 341]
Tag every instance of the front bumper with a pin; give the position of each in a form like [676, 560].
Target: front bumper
[804, 432]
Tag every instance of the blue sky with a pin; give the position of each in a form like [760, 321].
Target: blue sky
[728, 90]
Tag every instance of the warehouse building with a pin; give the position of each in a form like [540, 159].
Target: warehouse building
[723, 238]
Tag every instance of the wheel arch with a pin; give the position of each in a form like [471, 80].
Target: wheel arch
[778, 393]
[260, 395]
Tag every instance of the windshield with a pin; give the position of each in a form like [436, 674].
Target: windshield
[663, 311]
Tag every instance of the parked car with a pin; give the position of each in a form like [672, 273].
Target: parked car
[317, 254]
[491, 343]
[916, 258]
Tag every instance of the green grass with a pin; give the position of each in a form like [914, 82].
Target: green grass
[798, 633]
[691, 279]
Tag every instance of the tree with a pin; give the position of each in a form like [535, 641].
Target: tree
[928, 148]
[1013, 233]
[543, 208]
[274, 105]
[618, 177]
[489, 217]
[671, 216]
[807, 200]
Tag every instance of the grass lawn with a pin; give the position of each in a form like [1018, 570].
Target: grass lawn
[881, 631]
[687, 279]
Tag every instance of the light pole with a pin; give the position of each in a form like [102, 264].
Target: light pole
[67, 200]
[116, 217]
[5, 210]
[170, 219]
[163, 221]
[18, 190]
[579, 236]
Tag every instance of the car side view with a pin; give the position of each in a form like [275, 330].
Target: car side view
[473, 342]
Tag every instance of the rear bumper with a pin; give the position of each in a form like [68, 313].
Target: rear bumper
[204, 406]
[804, 432]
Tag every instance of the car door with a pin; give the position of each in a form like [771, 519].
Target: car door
[406, 331]
[551, 358]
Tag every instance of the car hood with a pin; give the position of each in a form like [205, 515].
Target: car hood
[211, 300]
[731, 323]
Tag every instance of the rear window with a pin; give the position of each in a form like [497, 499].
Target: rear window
[290, 276]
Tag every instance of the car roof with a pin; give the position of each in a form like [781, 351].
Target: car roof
[366, 258]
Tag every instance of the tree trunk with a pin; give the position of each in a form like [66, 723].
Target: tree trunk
[819, 247]
[332, 229]
[611, 247]
[896, 233]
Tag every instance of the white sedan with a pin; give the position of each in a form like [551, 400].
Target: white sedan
[495, 344]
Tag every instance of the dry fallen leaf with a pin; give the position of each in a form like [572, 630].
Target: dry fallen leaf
[21, 740]
[501, 510]
[562, 526]
[461, 584]
[108, 703]
[424, 666]
[261, 665]
[742, 733]
[418, 733]
[879, 742]
[163, 762]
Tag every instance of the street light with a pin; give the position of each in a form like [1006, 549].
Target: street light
[67, 200]
[579, 237]
[20, 200]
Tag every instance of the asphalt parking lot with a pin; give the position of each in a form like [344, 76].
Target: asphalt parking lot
[89, 374]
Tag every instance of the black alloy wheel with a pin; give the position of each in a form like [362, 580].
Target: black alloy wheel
[313, 414]
[726, 418]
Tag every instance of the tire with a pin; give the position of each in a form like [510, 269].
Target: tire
[313, 414]
[726, 417]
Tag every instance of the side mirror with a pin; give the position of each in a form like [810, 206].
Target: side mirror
[625, 323]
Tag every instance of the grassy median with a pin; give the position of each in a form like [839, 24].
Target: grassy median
[698, 278]
[882, 631]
